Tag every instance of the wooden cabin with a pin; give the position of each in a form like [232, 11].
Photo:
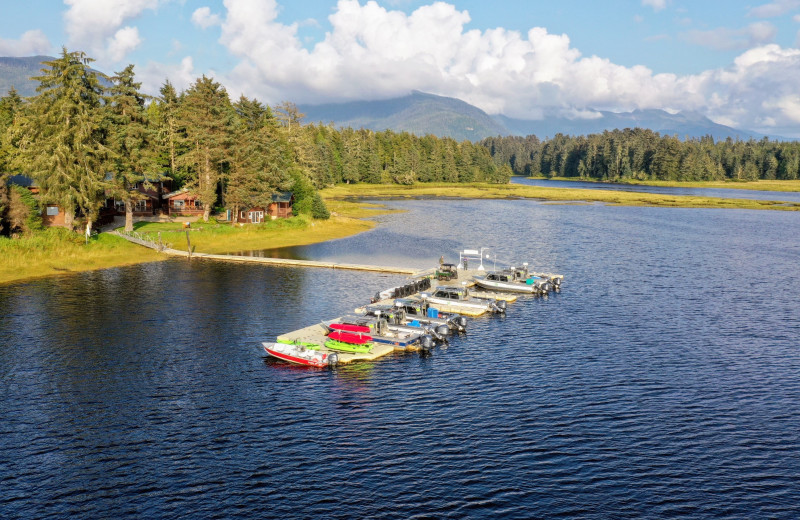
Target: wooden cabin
[281, 205]
[183, 203]
[254, 215]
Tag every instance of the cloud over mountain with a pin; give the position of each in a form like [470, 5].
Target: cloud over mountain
[372, 52]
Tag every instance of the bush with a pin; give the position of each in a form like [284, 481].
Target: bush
[24, 215]
[318, 208]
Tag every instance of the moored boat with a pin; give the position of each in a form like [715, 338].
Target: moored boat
[505, 281]
[459, 300]
[307, 354]
[382, 332]
[349, 338]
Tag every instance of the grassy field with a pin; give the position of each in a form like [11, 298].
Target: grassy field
[760, 185]
[564, 195]
[56, 252]
[223, 238]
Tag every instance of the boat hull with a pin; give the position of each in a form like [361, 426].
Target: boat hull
[298, 355]
[505, 286]
[360, 348]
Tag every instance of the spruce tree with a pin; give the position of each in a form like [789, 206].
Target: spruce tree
[59, 138]
[131, 141]
[208, 118]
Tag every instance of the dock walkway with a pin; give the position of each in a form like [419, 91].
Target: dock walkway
[262, 260]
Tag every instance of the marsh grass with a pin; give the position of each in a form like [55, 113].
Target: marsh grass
[759, 185]
[499, 191]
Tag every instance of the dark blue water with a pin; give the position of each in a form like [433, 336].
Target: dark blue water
[664, 381]
[786, 196]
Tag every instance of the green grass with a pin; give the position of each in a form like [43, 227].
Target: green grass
[56, 251]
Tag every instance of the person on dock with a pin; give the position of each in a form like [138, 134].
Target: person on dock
[465, 264]
[441, 261]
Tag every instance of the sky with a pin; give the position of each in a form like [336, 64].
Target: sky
[735, 61]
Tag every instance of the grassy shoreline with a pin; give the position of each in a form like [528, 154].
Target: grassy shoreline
[759, 185]
[55, 252]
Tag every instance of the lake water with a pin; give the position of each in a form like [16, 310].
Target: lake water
[662, 382]
[786, 196]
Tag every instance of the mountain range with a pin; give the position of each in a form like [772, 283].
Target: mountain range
[422, 114]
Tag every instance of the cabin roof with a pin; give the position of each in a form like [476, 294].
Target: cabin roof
[282, 196]
[175, 193]
[22, 180]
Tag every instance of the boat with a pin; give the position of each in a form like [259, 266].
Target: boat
[353, 340]
[398, 321]
[459, 300]
[382, 332]
[301, 353]
[411, 311]
[505, 281]
[546, 282]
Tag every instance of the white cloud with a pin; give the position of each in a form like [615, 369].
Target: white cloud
[657, 5]
[202, 17]
[725, 39]
[30, 43]
[773, 9]
[123, 41]
[371, 53]
[796, 18]
[94, 26]
[153, 75]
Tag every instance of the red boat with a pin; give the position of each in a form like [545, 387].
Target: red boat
[355, 338]
[347, 327]
[300, 354]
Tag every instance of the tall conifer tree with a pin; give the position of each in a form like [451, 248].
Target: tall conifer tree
[208, 117]
[59, 139]
[130, 140]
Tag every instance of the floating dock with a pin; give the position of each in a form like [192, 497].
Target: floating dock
[316, 334]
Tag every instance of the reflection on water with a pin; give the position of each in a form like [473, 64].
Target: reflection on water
[664, 380]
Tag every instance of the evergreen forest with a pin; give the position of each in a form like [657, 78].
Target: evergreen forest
[85, 137]
[642, 154]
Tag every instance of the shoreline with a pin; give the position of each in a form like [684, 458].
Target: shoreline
[347, 219]
[775, 185]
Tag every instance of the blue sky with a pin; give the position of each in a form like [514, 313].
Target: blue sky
[735, 61]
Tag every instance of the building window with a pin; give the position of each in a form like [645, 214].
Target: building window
[52, 211]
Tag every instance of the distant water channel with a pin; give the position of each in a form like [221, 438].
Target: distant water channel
[663, 382]
[787, 196]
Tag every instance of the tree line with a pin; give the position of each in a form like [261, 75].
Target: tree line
[646, 155]
[85, 137]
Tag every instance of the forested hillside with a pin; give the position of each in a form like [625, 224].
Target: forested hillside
[644, 154]
[83, 141]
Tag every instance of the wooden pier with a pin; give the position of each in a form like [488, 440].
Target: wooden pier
[268, 261]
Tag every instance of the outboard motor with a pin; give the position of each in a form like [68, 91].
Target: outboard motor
[426, 342]
[376, 298]
[461, 322]
[499, 306]
[442, 331]
[333, 359]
